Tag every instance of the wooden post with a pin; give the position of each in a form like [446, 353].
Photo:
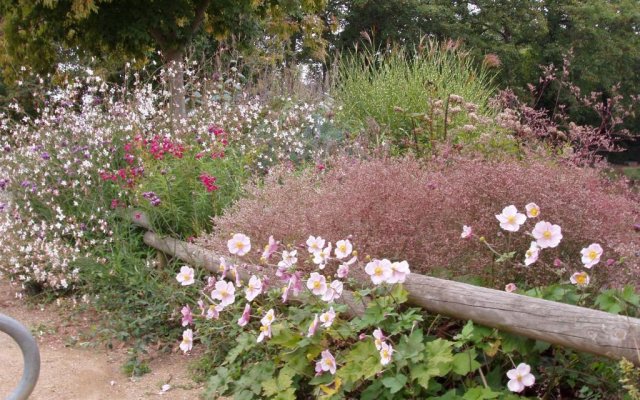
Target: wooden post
[578, 328]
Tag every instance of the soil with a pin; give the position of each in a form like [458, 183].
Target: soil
[87, 371]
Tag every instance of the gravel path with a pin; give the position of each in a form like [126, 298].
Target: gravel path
[69, 373]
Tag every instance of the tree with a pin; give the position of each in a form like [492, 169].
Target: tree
[603, 36]
[34, 28]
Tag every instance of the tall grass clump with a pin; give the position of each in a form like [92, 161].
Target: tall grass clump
[431, 94]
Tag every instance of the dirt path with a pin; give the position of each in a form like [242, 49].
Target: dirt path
[69, 373]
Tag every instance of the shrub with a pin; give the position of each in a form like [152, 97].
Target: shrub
[408, 97]
[402, 208]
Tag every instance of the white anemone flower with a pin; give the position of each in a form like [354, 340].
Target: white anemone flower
[547, 235]
[520, 377]
[510, 219]
[591, 255]
[379, 270]
[239, 244]
[317, 284]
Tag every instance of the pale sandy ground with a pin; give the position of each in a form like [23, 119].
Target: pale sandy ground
[91, 373]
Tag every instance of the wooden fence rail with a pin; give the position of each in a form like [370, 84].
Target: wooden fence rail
[578, 328]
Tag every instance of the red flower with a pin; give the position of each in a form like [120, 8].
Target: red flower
[208, 181]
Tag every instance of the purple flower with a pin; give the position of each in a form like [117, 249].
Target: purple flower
[45, 156]
[4, 183]
[152, 197]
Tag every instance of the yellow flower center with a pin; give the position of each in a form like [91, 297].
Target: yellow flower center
[534, 212]
[385, 353]
[239, 245]
[224, 293]
[316, 285]
[342, 248]
[378, 271]
[593, 254]
[546, 235]
[263, 328]
[581, 279]
[511, 219]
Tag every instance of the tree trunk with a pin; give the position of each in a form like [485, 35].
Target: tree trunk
[175, 73]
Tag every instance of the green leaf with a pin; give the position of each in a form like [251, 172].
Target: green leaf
[244, 395]
[288, 394]
[395, 383]
[411, 347]
[465, 335]
[438, 362]
[480, 393]
[245, 343]
[465, 362]
[511, 343]
[373, 316]
[362, 362]
[399, 293]
[630, 296]
[505, 257]
[270, 387]
[285, 377]
[283, 336]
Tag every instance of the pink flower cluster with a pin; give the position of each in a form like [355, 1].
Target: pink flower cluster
[208, 181]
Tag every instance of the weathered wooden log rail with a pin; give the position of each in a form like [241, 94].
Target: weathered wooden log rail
[578, 328]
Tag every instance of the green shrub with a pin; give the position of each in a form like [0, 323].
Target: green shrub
[183, 188]
[406, 97]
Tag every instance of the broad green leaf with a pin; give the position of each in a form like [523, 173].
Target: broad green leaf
[245, 343]
[411, 347]
[395, 383]
[480, 393]
[270, 387]
[438, 361]
[288, 394]
[399, 294]
[630, 295]
[465, 362]
[283, 336]
[362, 362]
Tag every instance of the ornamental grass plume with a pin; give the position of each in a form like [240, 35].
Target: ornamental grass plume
[404, 209]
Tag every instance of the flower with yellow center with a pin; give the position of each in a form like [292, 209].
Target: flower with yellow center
[379, 270]
[343, 249]
[317, 284]
[239, 244]
[580, 279]
[510, 219]
[547, 235]
[591, 255]
[533, 210]
[386, 352]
